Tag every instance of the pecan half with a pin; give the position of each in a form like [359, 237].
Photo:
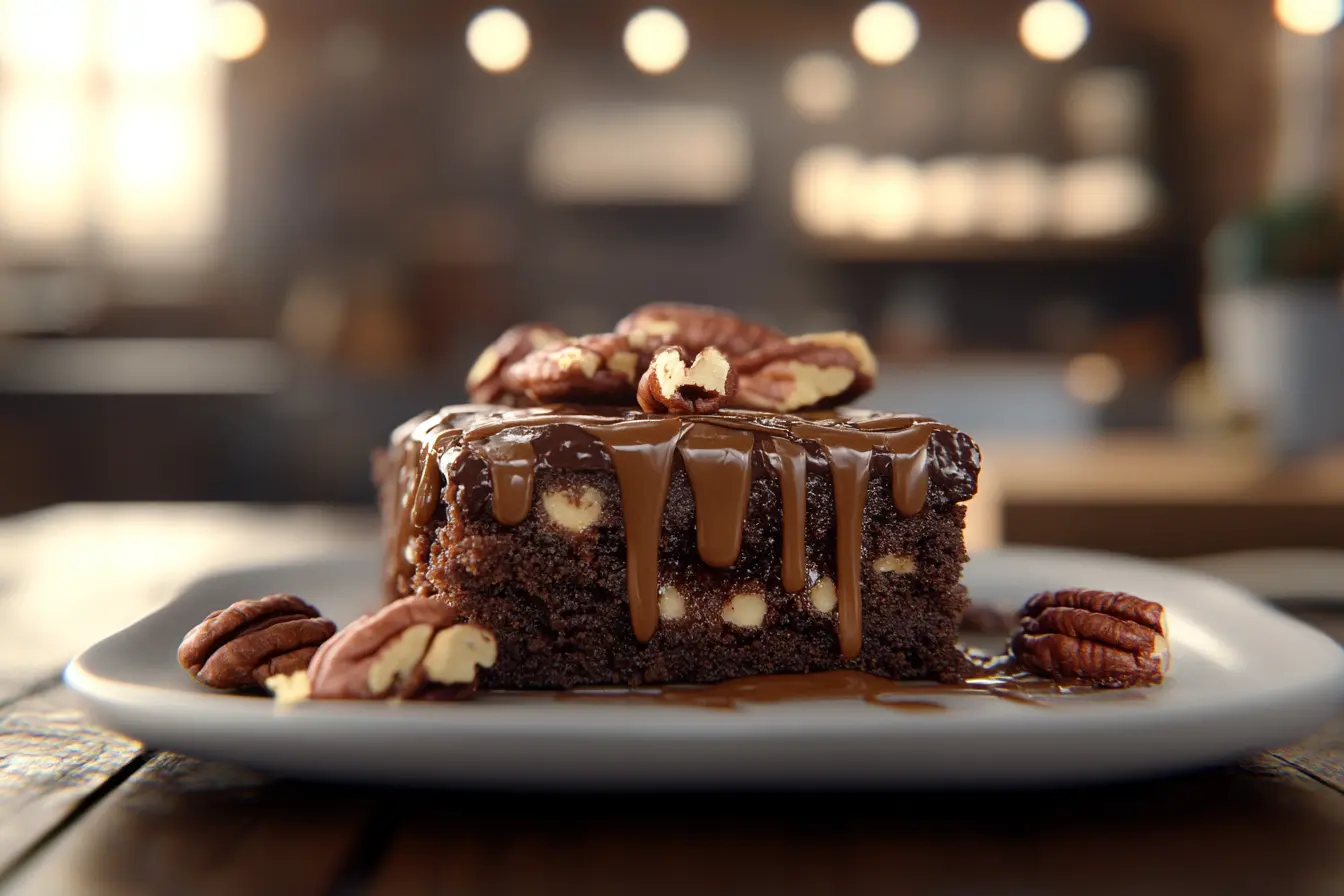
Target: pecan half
[818, 370]
[411, 649]
[695, 327]
[485, 381]
[602, 368]
[246, 643]
[1107, 638]
[676, 384]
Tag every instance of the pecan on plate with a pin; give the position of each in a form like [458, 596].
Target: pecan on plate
[1107, 638]
[411, 649]
[818, 370]
[485, 381]
[602, 368]
[676, 384]
[694, 327]
[242, 645]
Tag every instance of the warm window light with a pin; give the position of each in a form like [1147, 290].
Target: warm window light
[161, 195]
[237, 29]
[1309, 16]
[498, 39]
[153, 37]
[45, 36]
[819, 86]
[43, 135]
[656, 40]
[1053, 30]
[885, 32]
[1094, 378]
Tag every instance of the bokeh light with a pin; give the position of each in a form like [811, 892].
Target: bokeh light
[237, 30]
[888, 199]
[1309, 17]
[953, 196]
[819, 86]
[1103, 197]
[824, 185]
[656, 40]
[1053, 30]
[1094, 378]
[498, 39]
[885, 32]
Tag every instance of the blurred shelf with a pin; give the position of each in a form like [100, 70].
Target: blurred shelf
[987, 250]
[151, 366]
[1161, 497]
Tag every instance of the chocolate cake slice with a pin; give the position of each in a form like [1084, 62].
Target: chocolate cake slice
[610, 546]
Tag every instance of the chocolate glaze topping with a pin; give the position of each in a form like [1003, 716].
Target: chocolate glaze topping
[491, 455]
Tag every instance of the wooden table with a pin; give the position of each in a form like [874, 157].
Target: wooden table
[84, 810]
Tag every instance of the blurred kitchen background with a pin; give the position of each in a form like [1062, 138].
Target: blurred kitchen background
[239, 241]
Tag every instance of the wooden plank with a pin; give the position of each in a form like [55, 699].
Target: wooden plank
[181, 825]
[51, 763]
[139, 556]
[1263, 828]
[1321, 756]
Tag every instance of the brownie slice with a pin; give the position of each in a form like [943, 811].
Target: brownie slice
[626, 548]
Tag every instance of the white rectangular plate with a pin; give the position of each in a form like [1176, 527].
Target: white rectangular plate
[1245, 677]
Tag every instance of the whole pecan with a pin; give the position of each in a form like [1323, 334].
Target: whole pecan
[676, 384]
[485, 381]
[695, 327]
[818, 370]
[1107, 638]
[242, 645]
[602, 368]
[412, 649]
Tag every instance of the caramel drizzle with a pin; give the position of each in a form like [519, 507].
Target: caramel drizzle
[850, 454]
[716, 452]
[718, 464]
[513, 470]
[790, 463]
[642, 452]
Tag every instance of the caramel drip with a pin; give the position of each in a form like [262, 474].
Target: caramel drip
[407, 464]
[909, 447]
[718, 463]
[790, 463]
[849, 453]
[642, 452]
[418, 444]
[1006, 683]
[894, 422]
[430, 482]
[910, 481]
[513, 469]
[841, 684]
